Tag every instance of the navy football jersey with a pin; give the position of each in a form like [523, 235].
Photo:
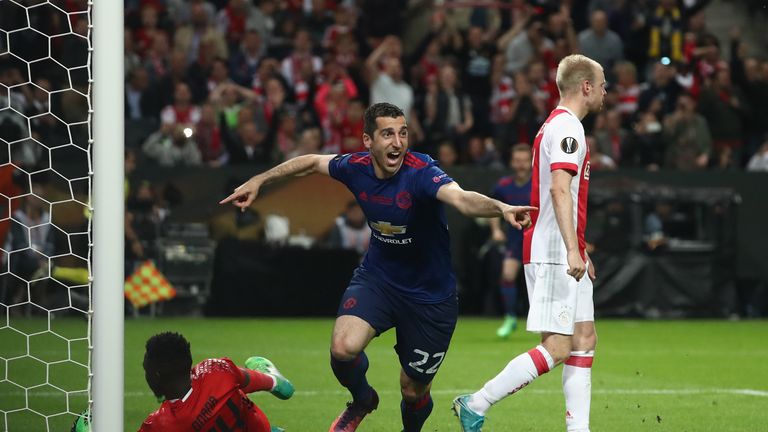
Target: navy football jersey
[409, 248]
[508, 192]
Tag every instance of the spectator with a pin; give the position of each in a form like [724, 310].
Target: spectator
[381, 18]
[36, 98]
[559, 28]
[653, 227]
[724, 107]
[143, 37]
[131, 60]
[448, 110]
[345, 53]
[627, 88]
[645, 146]
[343, 24]
[612, 139]
[545, 90]
[385, 76]
[173, 146]
[209, 138]
[177, 74]
[199, 73]
[232, 21]
[229, 99]
[502, 100]
[245, 61]
[666, 32]
[707, 63]
[426, 70]
[190, 37]
[268, 68]
[352, 128]
[248, 146]
[476, 64]
[317, 18]
[140, 103]
[662, 87]
[481, 152]
[29, 154]
[527, 112]
[759, 162]
[219, 74]
[275, 100]
[598, 161]
[286, 138]
[311, 142]
[331, 104]
[182, 112]
[301, 65]
[746, 75]
[687, 138]
[600, 43]
[350, 230]
[29, 246]
[262, 22]
[447, 155]
[156, 57]
[525, 45]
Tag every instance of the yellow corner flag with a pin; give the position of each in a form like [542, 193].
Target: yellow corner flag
[147, 285]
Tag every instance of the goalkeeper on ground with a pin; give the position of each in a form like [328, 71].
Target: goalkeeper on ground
[209, 396]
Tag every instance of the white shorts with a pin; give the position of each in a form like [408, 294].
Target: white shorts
[557, 300]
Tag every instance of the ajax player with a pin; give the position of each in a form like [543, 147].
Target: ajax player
[554, 257]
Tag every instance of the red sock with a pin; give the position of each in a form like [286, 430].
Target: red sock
[256, 381]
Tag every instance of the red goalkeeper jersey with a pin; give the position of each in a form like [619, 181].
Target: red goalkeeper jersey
[215, 403]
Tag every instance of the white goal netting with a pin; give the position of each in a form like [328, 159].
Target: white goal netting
[45, 196]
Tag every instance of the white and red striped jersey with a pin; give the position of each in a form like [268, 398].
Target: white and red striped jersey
[559, 144]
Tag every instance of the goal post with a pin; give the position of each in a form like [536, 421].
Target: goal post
[107, 84]
[61, 214]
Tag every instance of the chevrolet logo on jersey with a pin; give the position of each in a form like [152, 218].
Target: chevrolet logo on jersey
[387, 229]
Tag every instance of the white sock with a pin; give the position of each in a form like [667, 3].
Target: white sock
[577, 387]
[517, 374]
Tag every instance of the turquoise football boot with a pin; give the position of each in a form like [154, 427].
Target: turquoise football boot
[469, 420]
[283, 388]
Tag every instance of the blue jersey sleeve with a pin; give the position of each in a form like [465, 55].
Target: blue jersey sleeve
[429, 180]
[339, 169]
[496, 192]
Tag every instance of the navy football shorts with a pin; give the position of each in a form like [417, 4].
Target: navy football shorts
[423, 330]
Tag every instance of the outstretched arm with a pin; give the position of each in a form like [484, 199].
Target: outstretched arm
[244, 194]
[475, 204]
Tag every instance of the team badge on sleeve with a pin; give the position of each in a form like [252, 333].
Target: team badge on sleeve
[569, 145]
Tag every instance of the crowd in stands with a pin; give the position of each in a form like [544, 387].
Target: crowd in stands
[239, 81]
[226, 82]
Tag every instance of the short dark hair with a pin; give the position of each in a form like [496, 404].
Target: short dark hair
[521, 147]
[169, 352]
[382, 109]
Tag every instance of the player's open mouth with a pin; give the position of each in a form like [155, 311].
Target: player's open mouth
[393, 158]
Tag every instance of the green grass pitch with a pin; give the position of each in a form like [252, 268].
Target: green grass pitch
[648, 376]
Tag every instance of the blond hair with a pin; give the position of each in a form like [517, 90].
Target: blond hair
[574, 70]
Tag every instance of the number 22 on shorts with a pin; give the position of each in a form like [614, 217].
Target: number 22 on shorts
[416, 365]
